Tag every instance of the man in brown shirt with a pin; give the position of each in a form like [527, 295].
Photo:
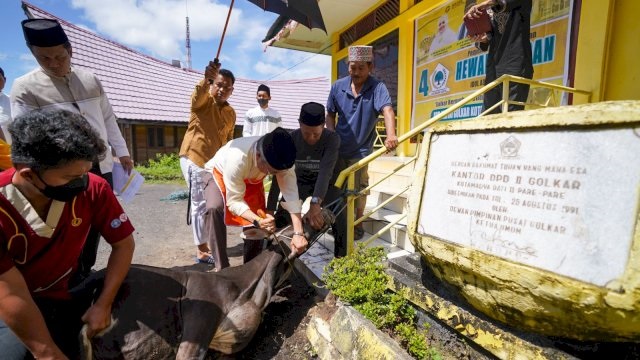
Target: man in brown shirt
[210, 127]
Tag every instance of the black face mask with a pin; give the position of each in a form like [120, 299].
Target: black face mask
[67, 191]
[263, 102]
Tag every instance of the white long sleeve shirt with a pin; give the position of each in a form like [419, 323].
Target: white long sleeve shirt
[237, 162]
[5, 116]
[80, 92]
[259, 121]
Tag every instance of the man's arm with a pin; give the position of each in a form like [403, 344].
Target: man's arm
[331, 121]
[298, 241]
[327, 163]
[22, 100]
[200, 95]
[391, 142]
[114, 136]
[247, 127]
[98, 316]
[23, 317]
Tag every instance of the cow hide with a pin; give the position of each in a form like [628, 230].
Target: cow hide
[175, 314]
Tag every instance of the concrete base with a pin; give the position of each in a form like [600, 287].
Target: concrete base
[349, 335]
[427, 292]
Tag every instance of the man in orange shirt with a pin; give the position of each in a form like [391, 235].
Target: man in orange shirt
[210, 127]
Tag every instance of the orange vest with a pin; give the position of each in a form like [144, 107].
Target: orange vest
[253, 196]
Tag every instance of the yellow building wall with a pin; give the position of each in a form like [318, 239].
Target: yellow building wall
[622, 77]
[606, 54]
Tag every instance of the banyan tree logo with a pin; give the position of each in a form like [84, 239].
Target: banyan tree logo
[439, 80]
[510, 147]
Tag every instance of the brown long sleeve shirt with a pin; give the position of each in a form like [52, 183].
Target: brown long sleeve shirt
[210, 126]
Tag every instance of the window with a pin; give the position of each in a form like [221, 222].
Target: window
[155, 136]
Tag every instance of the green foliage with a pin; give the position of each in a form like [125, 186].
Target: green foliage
[164, 168]
[360, 280]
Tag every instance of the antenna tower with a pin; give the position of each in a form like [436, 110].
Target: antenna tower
[188, 41]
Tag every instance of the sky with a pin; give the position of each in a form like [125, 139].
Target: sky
[157, 28]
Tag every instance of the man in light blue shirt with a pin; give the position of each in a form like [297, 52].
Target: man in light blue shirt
[358, 99]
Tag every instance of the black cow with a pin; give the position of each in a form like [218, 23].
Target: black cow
[174, 314]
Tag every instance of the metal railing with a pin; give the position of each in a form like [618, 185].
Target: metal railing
[348, 174]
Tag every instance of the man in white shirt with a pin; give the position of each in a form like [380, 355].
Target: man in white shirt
[235, 193]
[261, 119]
[56, 85]
[5, 110]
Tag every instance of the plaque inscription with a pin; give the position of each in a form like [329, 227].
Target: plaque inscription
[562, 201]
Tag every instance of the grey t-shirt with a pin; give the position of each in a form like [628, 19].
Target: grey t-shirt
[314, 163]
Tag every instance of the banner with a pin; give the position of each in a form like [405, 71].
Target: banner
[448, 67]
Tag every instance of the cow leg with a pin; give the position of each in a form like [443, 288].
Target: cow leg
[237, 329]
[201, 315]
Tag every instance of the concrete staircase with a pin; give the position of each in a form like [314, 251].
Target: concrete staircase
[395, 241]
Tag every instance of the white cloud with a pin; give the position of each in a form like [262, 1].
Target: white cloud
[27, 62]
[3, 56]
[157, 27]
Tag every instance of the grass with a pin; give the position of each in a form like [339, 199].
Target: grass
[360, 280]
[164, 169]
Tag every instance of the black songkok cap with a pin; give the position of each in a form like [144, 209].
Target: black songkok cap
[278, 149]
[43, 32]
[312, 114]
[1, 72]
[264, 88]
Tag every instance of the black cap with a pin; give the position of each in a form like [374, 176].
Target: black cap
[2, 72]
[278, 149]
[264, 88]
[43, 32]
[312, 114]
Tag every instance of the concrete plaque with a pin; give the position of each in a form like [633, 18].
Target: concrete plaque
[563, 201]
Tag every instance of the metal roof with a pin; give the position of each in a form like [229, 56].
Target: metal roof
[143, 88]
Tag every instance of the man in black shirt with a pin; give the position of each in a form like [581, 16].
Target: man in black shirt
[316, 155]
[509, 48]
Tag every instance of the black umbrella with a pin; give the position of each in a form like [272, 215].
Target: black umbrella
[305, 12]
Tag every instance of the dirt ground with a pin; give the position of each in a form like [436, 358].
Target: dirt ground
[163, 239]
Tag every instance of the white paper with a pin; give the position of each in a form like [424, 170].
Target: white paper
[126, 186]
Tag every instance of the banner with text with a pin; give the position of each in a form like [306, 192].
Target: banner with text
[448, 67]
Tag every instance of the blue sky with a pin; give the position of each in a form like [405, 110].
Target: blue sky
[157, 28]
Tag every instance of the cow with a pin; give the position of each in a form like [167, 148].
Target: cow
[176, 314]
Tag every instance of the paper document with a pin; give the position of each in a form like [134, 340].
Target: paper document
[126, 186]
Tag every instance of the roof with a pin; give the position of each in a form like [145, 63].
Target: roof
[143, 88]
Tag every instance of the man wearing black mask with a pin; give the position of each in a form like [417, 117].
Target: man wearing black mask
[261, 119]
[48, 203]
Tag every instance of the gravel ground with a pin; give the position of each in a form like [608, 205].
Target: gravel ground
[163, 239]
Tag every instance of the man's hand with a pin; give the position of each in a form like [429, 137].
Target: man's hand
[97, 318]
[391, 142]
[314, 217]
[298, 244]
[127, 164]
[480, 38]
[475, 11]
[211, 71]
[268, 223]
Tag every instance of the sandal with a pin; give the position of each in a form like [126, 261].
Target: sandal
[208, 260]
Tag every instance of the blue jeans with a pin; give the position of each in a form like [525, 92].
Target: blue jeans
[12, 347]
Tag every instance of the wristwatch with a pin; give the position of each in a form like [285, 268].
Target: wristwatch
[315, 200]
[256, 223]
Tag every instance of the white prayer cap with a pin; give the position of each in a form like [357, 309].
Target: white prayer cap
[361, 53]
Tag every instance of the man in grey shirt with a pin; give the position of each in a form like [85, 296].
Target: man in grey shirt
[316, 155]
